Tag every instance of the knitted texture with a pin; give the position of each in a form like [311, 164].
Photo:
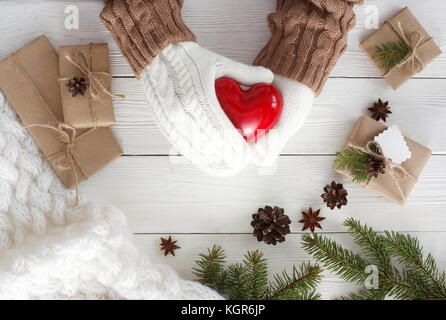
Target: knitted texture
[180, 90]
[51, 250]
[308, 38]
[143, 28]
[297, 104]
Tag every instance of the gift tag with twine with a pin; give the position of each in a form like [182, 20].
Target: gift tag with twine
[393, 145]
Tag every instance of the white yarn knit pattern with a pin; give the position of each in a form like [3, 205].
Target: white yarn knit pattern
[51, 250]
[180, 89]
[297, 104]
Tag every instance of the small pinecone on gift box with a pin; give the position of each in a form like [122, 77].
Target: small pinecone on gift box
[271, 225]
[375, 166]
[77, 86]
[335, 195]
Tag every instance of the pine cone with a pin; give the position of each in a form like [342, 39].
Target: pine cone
[335, 195]
[77, 86]
[270, 225]
[380, 110]
[375, 166]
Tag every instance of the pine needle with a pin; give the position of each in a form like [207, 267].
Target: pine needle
[407, 250]
[331, 255]
[236, 282]
[301, 285]
[354, 160]
[248, 280]
[372, 243]
[210, 267]
[257, 275]
[391, 54]
[415, 277]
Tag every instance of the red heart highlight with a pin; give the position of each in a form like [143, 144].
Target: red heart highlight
[254, 111]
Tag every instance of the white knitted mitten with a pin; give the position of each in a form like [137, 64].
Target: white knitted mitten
[297, 103]
[180, 89]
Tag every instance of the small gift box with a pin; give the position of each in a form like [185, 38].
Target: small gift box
[85, 86]
[410, 46]
[29, 79]
[388, 163]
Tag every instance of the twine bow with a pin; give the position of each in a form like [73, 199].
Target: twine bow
[85, 66]
[68, 137]
[414, 43]
[396, 171]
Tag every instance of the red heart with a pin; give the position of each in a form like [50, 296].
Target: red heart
[254, 111]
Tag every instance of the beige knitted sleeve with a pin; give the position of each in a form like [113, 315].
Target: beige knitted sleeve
[143, 28]
[308, 38]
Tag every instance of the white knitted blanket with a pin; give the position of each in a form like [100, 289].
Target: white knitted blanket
[50, 250]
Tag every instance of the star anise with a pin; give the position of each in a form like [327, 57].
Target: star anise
[77, 85]
[169, 246]
[311, 219]
[380, 110]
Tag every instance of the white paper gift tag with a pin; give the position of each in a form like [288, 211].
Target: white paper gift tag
[393, 145]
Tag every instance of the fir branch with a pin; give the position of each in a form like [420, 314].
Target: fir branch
[408, 286]
[418, 279]
[372, 244]
[367, 294]
[354, 160]
[235, 282]
[257, 274]
[249, 279]
[331, 255]
[408, 251]
[221, 282]
[391, 54]
[360, 175]
[210, 266]
[301, 285]
[351, 158]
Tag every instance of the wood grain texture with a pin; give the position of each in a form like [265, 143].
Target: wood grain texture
[281, 257]
[159, 196]
[235, 28]
[419, 109]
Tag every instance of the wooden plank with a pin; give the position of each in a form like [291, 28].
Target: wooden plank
[418, 109]
[283, 256]
[160, 197]
[235, 28]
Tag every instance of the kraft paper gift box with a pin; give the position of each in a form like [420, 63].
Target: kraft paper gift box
[29, 79]
[94, 108]
[396, 190]
[403, 27]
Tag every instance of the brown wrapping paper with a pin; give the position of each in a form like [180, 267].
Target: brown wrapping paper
[365, 130]
[424, 49]
[29, 79]
[95, 108]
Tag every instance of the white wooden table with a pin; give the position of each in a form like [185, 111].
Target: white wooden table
[161, 198]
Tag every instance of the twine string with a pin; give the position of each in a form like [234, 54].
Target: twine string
[69, 137]
[414, 43]
[396, 171]
[85, 66]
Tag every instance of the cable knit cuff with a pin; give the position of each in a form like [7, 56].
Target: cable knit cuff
[143, 28]
[308, 38]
